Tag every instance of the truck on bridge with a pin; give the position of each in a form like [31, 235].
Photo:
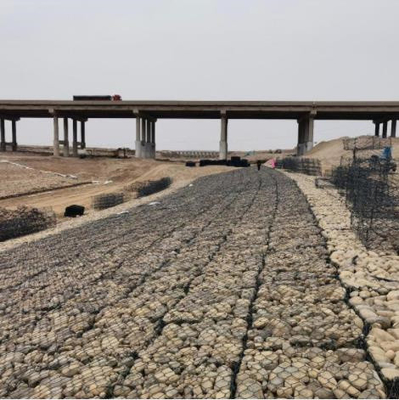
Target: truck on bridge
[115, 97]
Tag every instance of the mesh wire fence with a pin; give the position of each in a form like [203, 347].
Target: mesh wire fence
[366, 143]
[24, 220]
[371, 189]
[308, 166]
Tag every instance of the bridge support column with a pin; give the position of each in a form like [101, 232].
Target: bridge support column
[301, 130]
[145, 140]
[14, 145]
[144, 129]
[2, 135]
[393, 128]
[65, 149]
[384, 129]
[148, 140]
[153, 148]
[223, 148]
[82, 134]
[56, 141]
[377, 129]
[74, 137]
[309, 129]
[305, 135]
[138, 138]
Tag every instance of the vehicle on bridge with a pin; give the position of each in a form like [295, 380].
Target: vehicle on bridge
[115, 97]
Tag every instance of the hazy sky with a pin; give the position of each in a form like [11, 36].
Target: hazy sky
[199, 50]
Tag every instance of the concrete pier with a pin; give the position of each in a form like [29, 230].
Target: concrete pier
[223, 148]
[305, 135]
[309, 129]
[152, 140]
[153, 133]
[138, 138]
[377, 128]
[56, 141]
[2, 135]
[301, 137]
[14, 145]
[384, 129]
[393, 128]
[82, 134]
[74, 138]
[65, 150]
[145, 137]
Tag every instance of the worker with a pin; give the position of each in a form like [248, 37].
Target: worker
[258, 164]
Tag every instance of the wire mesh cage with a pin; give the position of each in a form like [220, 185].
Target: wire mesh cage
[366, 143]
[308, 166]
[24, 220]
[107, 200]
[371, 189]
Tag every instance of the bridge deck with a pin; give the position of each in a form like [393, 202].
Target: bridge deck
[201, 109]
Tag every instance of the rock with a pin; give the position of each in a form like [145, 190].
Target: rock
[393, 295]
[351, 355]
[393, 305]
[367, 313]
[339, 394]
[394, 333]
[284, 392]
[323, 393]
[252, 389]
[167, 376]
[390, 373]
[381, 335]
[261, 323]
[355, 301]
[358, 381]
[327, 380]
[42, 392]
[348, 388]
[71, 370]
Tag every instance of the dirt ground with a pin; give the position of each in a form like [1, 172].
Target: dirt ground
[106, 174]
[330, 152]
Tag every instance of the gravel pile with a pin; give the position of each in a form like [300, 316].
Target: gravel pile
[223, 289]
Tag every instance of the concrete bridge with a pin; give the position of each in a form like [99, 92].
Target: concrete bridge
[146, 113]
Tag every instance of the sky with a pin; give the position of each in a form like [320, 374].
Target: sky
[310, 50]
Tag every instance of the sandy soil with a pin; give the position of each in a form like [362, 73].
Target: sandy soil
[331, 152]
[17, 179]
[107, 175]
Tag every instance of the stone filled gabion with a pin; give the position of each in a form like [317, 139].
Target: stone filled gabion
[370, 278]
[371, 190]
[107, 200]
[24, 220]
[308, 166]
[223, 289]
